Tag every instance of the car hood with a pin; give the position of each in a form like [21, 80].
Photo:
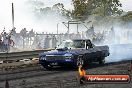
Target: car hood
[60, 52]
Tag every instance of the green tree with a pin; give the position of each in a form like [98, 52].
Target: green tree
[84, 8]
[61, 9]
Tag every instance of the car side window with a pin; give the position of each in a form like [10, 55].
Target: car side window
[79, 44]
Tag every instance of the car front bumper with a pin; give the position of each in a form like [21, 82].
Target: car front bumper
[57, 62]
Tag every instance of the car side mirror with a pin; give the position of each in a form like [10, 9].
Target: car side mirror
[66, 48]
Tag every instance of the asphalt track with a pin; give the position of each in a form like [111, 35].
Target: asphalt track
[38, 77]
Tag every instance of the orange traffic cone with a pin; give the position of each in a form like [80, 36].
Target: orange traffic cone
[6, 84]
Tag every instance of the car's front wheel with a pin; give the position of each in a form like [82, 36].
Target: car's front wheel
[80, 61]
[47, 66]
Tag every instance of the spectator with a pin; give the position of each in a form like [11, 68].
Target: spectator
[47, 42]
[1, 45]
[11, 42]
[4, 36]
[54, 41]
[6, 44]
[39, 46]
[0, 39]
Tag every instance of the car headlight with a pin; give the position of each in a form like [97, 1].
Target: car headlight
[42, 58]
[68, 56]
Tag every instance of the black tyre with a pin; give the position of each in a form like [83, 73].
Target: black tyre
[47, 66]
[80, 61]
[102, 61]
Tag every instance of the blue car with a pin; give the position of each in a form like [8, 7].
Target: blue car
[74, 53]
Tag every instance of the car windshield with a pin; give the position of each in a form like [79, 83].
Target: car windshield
[72, 44]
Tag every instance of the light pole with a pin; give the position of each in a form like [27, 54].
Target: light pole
[57, 27]
[12, 15]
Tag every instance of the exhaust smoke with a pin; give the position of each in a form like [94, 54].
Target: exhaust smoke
[121, 45]
[119, 52]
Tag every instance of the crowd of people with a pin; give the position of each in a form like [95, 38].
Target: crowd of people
[6, 41]
[31, 40]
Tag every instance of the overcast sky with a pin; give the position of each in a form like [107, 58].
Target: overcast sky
[23, 18]
[126, 5]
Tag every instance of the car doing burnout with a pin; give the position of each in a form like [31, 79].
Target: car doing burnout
[74, 53]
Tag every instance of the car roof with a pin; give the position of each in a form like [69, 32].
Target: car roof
[76, 40]
[80, 39]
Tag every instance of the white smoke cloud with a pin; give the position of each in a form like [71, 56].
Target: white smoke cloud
[119, 52]
[25, 17]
